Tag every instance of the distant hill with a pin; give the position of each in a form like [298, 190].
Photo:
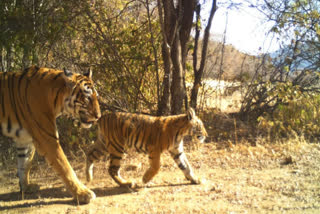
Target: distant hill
[228, 63]
[300, 61]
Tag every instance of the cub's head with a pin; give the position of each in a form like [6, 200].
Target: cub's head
[82, 104]
[197, 130]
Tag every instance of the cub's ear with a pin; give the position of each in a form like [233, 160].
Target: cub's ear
[191, 114]
[67, 72]
[88, 73]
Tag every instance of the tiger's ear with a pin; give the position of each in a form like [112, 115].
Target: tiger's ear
[88, 73]
[67, 72]
[191, 114]
[68, 78]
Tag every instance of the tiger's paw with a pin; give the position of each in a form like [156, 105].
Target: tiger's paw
[85, 196]
[149, 184]
[195, 181]
[129, 184]
[146, 178]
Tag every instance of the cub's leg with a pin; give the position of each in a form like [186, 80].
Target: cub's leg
[154, 160]
[181, 160]
[114, 171]
[55, 156]
[95, 153]
[25, 153]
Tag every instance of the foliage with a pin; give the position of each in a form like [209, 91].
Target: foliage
[29, 29]
[114, 39]
[298, 24]
[74, 139]
[290, 72]
[296, 112]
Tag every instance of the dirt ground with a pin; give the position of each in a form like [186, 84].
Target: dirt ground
[238, 178]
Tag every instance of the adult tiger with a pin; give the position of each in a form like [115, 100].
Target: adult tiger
[30, 102]
[148, 134]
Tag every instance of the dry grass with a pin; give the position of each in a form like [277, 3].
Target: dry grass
[240, 174]
[265, 178]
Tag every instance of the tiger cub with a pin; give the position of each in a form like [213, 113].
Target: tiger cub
[148, 134]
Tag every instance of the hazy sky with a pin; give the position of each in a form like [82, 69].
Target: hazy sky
[246, 29]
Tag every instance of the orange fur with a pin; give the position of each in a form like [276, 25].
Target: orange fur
[151, 135]
[30, 101]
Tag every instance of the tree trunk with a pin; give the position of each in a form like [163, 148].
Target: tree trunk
[176, 27]
[199, 72]
[164, 104]
[177, 88]
[196, 83]
[1, 60]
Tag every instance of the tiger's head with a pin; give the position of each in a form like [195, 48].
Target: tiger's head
[82, 104]
[197, 130]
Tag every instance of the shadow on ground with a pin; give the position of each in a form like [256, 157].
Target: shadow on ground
[59, 196]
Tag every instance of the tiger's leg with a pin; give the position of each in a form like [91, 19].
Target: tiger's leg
[154, 160]
[55, 156]
[29, 164]
[95, 153]
[114, 171]
[25, 153]
[181, 160]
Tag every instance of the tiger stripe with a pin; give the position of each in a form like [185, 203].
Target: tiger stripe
[118, 132]
[30, 102]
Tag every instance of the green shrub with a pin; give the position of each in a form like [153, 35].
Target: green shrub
[296, 112]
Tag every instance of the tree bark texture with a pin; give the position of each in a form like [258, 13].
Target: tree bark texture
[198, 73]
[177, 19]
